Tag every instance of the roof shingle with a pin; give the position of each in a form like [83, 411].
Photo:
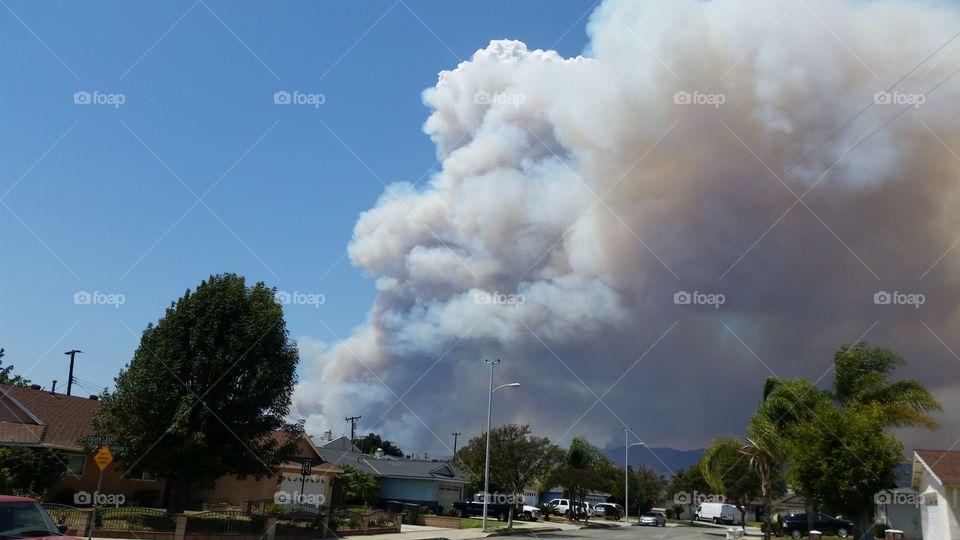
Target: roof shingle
[944, 463]
[66, 418]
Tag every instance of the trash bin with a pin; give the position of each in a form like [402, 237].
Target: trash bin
[411, 513]
[816, 535]
[893, 534]
[394, 507]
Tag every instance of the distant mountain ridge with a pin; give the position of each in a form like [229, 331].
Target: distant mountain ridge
[663, 460]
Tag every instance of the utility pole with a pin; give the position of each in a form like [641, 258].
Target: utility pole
[455, 437]
[72, 354]
[353, 427]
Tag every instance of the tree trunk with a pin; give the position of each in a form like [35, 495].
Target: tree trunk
[766, 516]
[866, 528]
[510, 518]
[808, 507]
[743, 518]
[167, 488]
[178, 499]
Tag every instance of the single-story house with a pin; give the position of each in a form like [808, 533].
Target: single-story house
[33, 417]
[426, 482]
[936, 480]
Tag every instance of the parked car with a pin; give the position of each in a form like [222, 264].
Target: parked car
[21, 517]
[796, 525]
[497, 510]
[600, 509]
[561, 507]
[653, 518]
[717, 513]
[529, 513]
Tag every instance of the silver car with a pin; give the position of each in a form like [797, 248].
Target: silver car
[653, 518]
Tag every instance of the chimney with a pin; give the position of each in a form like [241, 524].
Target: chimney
[327, 435]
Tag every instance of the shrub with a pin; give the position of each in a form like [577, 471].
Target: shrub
[146, 497]
[879, 528]
[274, 509]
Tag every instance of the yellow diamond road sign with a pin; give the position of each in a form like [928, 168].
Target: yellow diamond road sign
[103, 457]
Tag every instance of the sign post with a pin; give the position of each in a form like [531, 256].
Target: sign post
[103, 457]
[305, 469]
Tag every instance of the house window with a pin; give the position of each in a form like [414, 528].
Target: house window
[76, 465]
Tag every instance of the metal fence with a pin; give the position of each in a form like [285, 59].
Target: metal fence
[63, 514]
[225, 523]
[135, 519]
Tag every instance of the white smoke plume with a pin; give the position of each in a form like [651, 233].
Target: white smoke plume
[577, 196]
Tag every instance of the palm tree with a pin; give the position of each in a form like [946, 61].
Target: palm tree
[862, 378]
[767, 456]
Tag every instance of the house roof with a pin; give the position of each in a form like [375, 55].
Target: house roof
[57, 420]
[944, 465]
[392, 468]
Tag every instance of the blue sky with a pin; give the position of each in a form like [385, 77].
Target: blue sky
[102, 198]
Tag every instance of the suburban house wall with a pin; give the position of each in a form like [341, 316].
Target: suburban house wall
[113, 483]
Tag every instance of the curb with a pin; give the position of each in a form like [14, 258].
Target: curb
[517, 532]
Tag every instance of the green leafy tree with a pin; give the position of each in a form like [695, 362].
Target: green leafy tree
[584, 469]
[785, 404]
[727, 470]
[862, 378]
[517, 459]
[29, 471]
[207, 390]
[359, 487]
[7, 376]
[686, 484]
[842, 458]
[370, 442]
[646, 488]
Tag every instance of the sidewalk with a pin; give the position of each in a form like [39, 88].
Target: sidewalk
[420, 532]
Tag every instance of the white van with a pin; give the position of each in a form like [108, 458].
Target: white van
[718, 513]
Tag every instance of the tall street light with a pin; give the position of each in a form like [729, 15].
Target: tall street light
[486, 465]
[626, 473]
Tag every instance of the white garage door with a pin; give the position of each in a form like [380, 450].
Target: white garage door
[931, 518]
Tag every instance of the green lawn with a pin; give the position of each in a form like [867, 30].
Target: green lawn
[476, 523]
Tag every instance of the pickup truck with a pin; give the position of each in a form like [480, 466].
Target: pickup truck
[498, 510]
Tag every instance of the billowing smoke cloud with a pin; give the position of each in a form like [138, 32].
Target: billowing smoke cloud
[786, 161]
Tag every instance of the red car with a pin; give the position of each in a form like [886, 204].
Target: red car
[21, 517]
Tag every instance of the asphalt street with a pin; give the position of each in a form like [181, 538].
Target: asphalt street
[639, 533]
